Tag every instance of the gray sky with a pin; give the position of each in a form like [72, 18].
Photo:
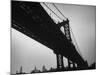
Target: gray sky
[29, 53]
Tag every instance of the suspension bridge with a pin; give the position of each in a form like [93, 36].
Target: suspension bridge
[31, 19]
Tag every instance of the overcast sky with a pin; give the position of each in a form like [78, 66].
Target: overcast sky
[29, 53]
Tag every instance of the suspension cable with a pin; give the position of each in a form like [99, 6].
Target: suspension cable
[59, 10]
[52, 11]
[75, 41]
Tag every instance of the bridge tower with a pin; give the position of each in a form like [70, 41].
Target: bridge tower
[65, 24]
[67, 34]
[60, 63]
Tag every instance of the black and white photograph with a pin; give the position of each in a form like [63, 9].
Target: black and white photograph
[52, 37]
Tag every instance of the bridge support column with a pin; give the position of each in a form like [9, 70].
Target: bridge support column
[60, 64]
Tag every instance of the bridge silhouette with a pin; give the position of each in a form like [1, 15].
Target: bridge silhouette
[31, 19]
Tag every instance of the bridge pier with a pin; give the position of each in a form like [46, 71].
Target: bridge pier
[60, 63]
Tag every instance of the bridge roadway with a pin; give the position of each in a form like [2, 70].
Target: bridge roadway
[31, 19]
